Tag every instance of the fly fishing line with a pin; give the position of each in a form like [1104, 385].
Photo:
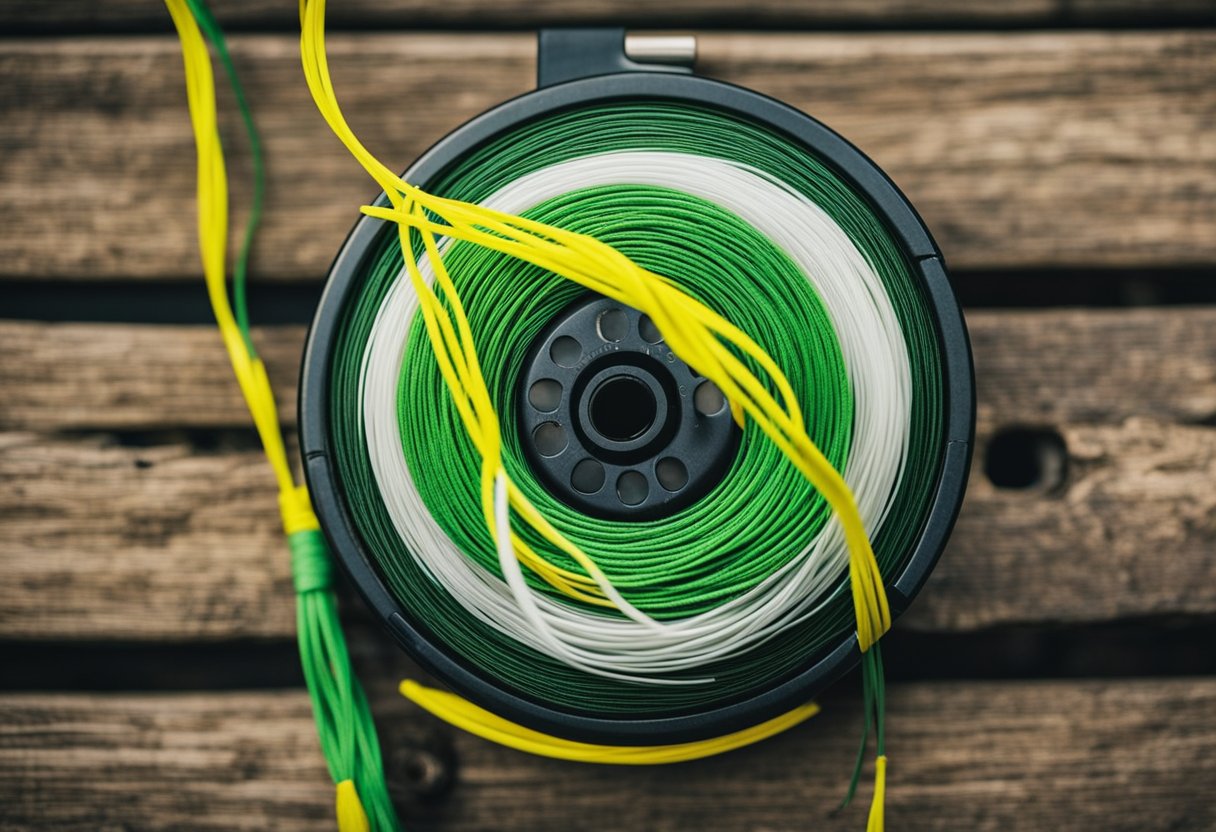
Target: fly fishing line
[627, 408]
[348, 738]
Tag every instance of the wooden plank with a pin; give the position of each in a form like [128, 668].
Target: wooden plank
[122, 377]
[1038, 368]
[161, 542]
[107, 116]
[165, 543]
[1028, 149]
[1064, 756]
[1094, 366]
[116, 15]
[102, 540]
[1122, 537]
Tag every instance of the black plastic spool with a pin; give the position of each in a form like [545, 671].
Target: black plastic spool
[601, 51]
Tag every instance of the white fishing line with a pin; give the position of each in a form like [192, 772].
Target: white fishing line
[600, 642]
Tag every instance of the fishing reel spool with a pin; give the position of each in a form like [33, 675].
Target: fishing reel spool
[611, 421]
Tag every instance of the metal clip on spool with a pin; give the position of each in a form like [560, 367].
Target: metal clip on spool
[568, 54]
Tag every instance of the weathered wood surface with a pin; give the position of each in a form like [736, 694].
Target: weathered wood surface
[165, 543]
[133, 506]
[1021, 150]
[1126, 755]
[119, 14]
[1050, 367]
[161, 543]
[69, 376]
[99, 540]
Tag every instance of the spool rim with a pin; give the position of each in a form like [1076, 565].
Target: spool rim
[905, 227]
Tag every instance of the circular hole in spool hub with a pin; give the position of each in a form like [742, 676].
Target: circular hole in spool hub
[550, 438]
[708, 399]
[649, 332]
[671, 473]
[545, 395]
[566, 352]
[613, 325]
[632, 488]
[588, 476]
[622, 408]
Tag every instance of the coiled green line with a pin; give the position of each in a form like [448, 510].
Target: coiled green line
[689, 563]
[760, 514]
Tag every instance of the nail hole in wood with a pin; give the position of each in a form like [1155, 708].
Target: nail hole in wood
[423, 768]
[1027, 459]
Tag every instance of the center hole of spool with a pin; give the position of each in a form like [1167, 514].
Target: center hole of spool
[622, 408]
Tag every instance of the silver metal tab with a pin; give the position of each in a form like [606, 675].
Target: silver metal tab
[671, 50]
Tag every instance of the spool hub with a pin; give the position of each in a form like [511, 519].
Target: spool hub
[613, 423]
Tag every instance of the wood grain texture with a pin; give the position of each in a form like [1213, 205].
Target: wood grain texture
[102, 540]
[159, 542]
[116, 15]
[1116, 756]
[69, 376]
[1032, 368]
[1021, 150]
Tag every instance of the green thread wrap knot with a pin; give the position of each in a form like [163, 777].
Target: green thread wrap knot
[311, 566]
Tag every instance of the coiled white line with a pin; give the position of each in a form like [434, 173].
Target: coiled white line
[877, 363]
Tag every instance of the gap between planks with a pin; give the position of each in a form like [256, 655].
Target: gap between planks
[139, 14]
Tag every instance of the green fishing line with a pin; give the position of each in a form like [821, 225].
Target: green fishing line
[671, 567]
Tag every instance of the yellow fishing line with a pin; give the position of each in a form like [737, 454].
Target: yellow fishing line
[874, 822]
[695, 333]
[213, 244]
[294, 504]
[464, 714]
